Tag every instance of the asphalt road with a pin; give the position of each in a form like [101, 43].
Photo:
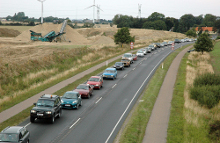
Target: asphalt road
[101, 117]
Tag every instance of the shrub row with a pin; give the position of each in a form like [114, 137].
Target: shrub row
[206, 90]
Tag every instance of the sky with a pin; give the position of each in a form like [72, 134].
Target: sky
[76, 9]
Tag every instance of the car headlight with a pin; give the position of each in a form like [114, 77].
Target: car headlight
[74, 102]
[48, 112]
[97, 85]
[111, 75]
[33, 111]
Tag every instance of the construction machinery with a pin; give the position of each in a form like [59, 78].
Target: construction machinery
[49, 37]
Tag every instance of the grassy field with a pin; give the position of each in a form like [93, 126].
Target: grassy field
[137, 121]
[190, 122]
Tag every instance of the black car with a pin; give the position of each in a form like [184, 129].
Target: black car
[15, 134]
[119, 65]
[47, 107]
[177, 41]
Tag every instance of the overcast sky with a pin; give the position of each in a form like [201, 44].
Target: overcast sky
[76, 9]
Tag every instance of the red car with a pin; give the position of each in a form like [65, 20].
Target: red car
[84, 90]
[134, 57]
[96, 81]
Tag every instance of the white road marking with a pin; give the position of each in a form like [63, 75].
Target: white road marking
[125, 75]
[134, 98]
[140, 63]
[114, 85]
[98, 100]
[27, 125]
[74, 123]
[133, 69]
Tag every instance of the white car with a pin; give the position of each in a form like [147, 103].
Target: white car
[182, 40]
[170, 42]
[150, 48]
[128, 56]
[140, 53]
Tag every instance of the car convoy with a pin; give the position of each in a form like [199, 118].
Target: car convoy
[48, 107]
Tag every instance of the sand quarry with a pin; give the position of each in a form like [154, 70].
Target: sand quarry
[103, 35]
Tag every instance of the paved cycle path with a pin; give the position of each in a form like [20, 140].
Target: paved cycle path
[156, 131]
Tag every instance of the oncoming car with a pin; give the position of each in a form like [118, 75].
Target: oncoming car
[119, 65]
[96, 81]
[110, 73]
[126, 62]
[140, 53]
[85, 90]
[47, 107]
[71, 100]
[128, 56]
[15, 134]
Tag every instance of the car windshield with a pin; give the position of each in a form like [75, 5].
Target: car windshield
[140, 51]
[118, 64]
[127, 55]
[109, 71]
[94, 79]
[124, 60]
[8, 137]
[151, 46]
[82, 87]
[70, 95]
[45, 103]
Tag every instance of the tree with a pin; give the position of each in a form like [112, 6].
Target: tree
[186, 21]
[199, 19]
[123, 36]
[209, 20]
[203, 43]
[217, 25]
[191, 32]
[160, 25]
[156, 16]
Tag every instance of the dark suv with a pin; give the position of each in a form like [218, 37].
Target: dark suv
[47, 107]
[15, 134]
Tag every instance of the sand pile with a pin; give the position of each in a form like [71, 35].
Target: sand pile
[104, 40]
[5, 32]
[70, 35]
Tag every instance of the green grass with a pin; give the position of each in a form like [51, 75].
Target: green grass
[135, 129]
[179, 130]
[215, 54]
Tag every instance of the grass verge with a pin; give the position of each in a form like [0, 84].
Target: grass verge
[134, 130]
[184, 124]
[15, 120]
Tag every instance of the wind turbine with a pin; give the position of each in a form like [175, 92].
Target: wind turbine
[98, 12]
[93, 10]
[41, 10]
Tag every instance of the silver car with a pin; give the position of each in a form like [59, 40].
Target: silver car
[128, 56]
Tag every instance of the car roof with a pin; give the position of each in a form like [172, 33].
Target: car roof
[95, 77]
[12, 129]
[49, 96]
[72, 91]
[84, 84]
[111, 69]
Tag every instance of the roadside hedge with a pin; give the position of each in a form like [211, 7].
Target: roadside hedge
[206, 90]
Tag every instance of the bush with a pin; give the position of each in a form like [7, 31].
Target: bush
[214, 131]
[207, 79]
[218, 37]
[206, 90]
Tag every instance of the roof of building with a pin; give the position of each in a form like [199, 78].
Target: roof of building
[205, 28]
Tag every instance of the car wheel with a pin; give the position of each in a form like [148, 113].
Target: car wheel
[81, 103]
[52, 119]
[32, 119]
[77, 106]
[59, 114]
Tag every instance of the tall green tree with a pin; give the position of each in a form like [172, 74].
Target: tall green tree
[186, 21]
[209, 20]
[123, 36]
[156, 16]
[204, 43]
[217, 25]
[199, 19]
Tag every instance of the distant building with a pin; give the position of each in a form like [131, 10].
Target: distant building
[205, 29]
